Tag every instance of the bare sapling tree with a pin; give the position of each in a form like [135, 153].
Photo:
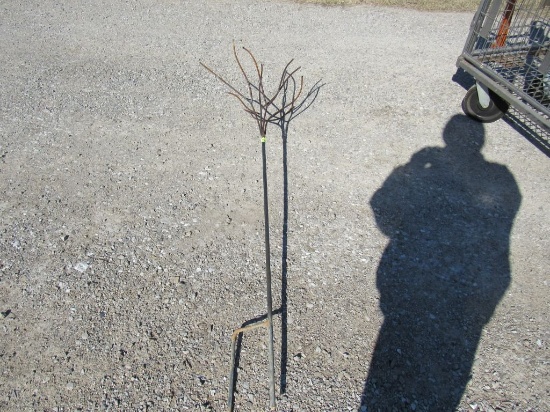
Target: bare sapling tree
[277, 108]
[292, 93]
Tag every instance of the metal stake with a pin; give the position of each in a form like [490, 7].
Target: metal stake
[269, 321]
[271, 360]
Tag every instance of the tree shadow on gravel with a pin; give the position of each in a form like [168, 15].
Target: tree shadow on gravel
[448, 214]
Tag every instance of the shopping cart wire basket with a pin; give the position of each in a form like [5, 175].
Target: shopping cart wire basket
[507, 54]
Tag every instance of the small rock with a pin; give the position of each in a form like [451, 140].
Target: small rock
[343, 375]
[81, 267]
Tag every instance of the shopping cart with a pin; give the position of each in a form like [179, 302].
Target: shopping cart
[507, 54]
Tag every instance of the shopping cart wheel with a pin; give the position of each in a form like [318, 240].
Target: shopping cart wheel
[496, 109]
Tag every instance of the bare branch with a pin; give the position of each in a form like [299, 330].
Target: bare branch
[280, 107]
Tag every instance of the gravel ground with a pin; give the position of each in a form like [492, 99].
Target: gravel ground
[131, 235]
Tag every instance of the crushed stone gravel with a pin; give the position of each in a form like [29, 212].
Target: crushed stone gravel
[131, 232]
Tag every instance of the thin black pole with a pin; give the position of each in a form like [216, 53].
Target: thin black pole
[284, 266]
[271, 359]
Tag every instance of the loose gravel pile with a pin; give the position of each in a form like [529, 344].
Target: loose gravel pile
[131, 233]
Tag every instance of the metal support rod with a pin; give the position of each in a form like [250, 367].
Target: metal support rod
[271, 357]
[269, 321]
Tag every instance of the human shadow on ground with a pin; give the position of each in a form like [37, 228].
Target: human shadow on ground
[448, 214]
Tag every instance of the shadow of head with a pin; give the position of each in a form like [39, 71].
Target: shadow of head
[464, 135]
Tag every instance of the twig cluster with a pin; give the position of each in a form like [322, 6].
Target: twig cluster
[282, 106]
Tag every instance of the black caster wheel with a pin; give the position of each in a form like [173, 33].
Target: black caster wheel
[497, 106]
